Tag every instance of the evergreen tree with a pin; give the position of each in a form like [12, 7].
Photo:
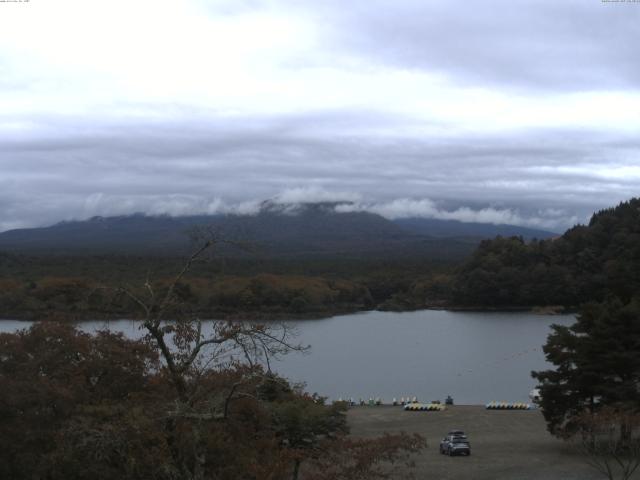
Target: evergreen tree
[597, 362]
[586, 263]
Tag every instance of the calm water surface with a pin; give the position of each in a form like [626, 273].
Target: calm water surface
[474, 357]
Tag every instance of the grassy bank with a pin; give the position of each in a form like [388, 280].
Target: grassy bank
[507, 444]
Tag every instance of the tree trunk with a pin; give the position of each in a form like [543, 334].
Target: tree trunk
[296, 469]
[625, 434]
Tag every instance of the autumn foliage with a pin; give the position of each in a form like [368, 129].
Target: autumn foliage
[263, 295]
[76, 406]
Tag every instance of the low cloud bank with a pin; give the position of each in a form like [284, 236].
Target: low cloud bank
[172, 205]
[290, 201]
[426, 208]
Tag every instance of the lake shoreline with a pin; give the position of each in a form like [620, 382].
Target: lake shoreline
[266, 316]
[390, 355]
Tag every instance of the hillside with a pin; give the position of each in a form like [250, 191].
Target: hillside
[314, 230]
[277, 230]
[587, 263]
[453, 228]
[303, 260]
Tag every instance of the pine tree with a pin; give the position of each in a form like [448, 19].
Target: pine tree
[597, 362]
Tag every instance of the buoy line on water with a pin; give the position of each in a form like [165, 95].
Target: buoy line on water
[410, 404]
[424, 407]
[507, 406]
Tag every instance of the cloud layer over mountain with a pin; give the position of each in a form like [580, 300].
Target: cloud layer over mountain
[506, 112]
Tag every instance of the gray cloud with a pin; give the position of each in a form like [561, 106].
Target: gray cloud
[531, 117]
[426, 208]
[206, 167]
[561, 45]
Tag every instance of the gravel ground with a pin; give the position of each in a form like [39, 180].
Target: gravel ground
[505, 444]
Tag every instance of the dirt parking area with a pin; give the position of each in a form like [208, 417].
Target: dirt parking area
[505, 444]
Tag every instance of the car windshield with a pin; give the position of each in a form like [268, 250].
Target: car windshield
[459, 440]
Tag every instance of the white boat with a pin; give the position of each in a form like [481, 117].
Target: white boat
[534, 395]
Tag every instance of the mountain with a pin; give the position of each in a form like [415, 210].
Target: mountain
[281, 230]
[453, 228]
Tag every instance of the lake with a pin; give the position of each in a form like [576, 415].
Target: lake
[475, 357]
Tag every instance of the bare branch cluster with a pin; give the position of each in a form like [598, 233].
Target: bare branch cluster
[610, 441]
[183, 341]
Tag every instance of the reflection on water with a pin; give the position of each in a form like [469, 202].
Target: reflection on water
[474, 357]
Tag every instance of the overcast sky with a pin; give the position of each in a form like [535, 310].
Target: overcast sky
[519, 111]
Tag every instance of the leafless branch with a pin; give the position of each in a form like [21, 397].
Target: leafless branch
[609, 441]
[143, 305]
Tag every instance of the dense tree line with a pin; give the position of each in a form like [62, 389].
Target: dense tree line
[264, 296]
[587, 263]
[80, 287]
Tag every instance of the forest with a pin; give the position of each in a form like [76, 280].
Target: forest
[588, 262]
[84, 287]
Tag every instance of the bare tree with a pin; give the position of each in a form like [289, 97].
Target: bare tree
[190, 348]
[610, 442]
